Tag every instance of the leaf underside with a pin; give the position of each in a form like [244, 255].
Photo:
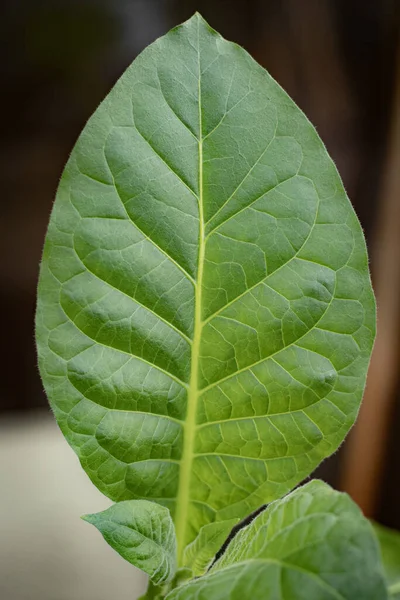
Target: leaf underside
[143, 533]
[205, 315]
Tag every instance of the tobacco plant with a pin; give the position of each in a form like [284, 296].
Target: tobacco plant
[204, 326]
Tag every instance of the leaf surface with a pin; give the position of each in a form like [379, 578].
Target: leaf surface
[389, 541]
[143, 533]
[314, 544]
[205, 314]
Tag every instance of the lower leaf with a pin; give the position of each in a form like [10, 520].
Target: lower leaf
[143, 533]
[314, 544]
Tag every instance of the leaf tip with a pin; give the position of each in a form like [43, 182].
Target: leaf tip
[198, 19]
[91, 518]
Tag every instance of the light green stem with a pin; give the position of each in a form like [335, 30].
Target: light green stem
[182, 507]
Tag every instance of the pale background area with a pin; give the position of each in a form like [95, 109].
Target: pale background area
[47, 552]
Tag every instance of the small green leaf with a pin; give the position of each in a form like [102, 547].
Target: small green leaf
[389, 541]
[314, 544]
[199, 554]
[143, 533]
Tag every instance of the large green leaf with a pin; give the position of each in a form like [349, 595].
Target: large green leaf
[389, 541]
[313, 545]
[143, 533]
[205, 315]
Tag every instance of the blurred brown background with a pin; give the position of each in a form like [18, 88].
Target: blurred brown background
[338, 59]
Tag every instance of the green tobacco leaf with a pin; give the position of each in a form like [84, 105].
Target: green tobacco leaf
[143, 533]
[205, 315]
[199, 554]
[313, 545]
[389, 541]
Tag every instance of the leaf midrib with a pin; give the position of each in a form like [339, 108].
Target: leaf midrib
[183, 499]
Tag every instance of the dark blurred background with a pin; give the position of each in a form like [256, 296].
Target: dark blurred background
[338, 59]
